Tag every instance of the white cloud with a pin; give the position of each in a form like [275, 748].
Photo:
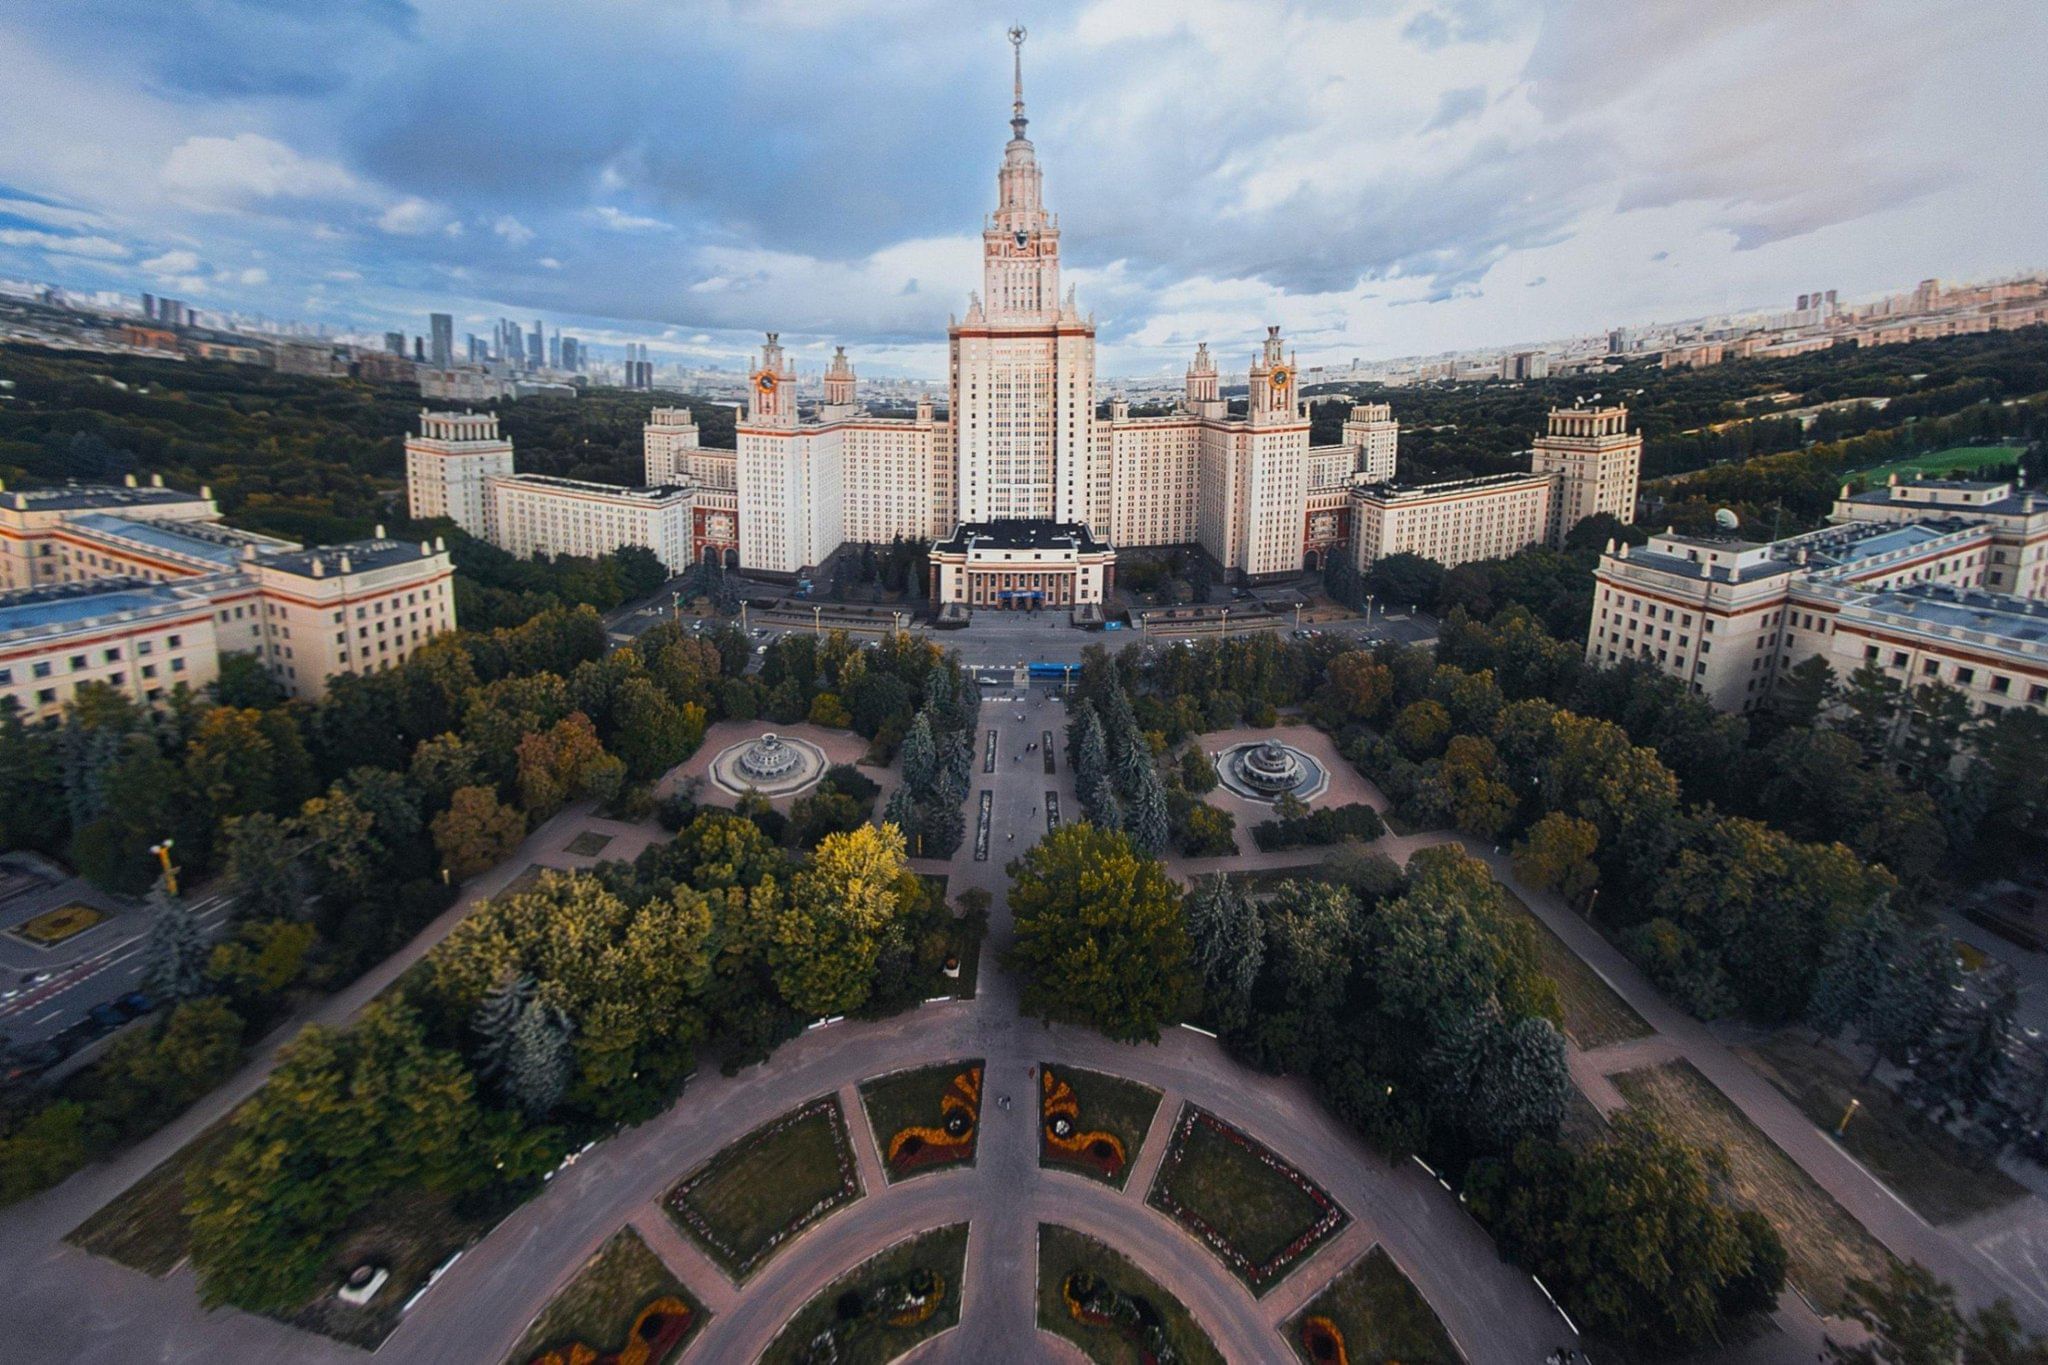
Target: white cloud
[173, 263]
[254, 275]
[412, 217]
[248, 169]
[50, 215]
[345, 276]
[618, 220]
[512, 230]
[99, 248]
[550, 263]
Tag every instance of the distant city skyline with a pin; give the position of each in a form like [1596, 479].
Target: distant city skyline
[1389, 180]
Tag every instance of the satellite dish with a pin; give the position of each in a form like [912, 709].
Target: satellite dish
[1726, 519]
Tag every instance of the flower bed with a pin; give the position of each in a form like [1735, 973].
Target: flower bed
[623, 1294]
[769, 1186]
[1371, 1312]
[658, 1329]
[1229, 1190]
[1116, 1314]
[881, 1308]
[900, 1107]
[1091, 1122]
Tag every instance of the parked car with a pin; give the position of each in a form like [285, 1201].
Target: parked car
[136, 1004]
[107, 1015]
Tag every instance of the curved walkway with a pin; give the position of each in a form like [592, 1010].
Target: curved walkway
[61, 1304]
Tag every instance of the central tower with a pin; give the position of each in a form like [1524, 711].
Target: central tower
[1022, 377]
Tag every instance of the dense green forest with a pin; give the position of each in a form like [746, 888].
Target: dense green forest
[315, 460]
[1452, 430]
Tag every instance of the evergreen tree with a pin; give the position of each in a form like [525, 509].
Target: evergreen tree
[1858, 960]
[1906, 1003]
[1229, 944]
[495, 1021]
[1960, 1073]
[943, 825]
[1109, 808]
[540, 1063]
[174, 951]
[1133, 763]
[920, 753]
[1873, 700]
[902, 811]
[1149, 826]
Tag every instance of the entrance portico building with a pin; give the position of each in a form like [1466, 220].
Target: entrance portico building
[1021, 564]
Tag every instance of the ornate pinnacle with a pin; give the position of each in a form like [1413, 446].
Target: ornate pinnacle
[1017, 119]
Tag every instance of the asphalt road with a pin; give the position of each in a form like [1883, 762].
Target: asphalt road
[91, 973]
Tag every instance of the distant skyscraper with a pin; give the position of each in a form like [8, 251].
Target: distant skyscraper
[443, 327]
[170, 312]
[419, 350]
[572, 358]
[149, 306]
[555, 351]
[537, 347]
[394, 342]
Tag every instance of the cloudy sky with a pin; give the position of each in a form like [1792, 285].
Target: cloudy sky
[1382, 177]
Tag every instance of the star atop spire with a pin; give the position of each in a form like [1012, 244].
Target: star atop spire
[1017, 119]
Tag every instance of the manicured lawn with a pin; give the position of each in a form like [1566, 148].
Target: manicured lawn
[1258, 1214]
[410, 1233]
[1938, 463]
[145, 1227]
[599, 1306]
[1942, 1179]
[966, 944]
[912, 1105]
[1103, 1104]
[1594, 1016]
[1062, 1252]
[1266, 880]
[1827, 1247]
[876, 1320]
[766, 1188]
[588, 844]
[1583, 1124]
[1380, 1315]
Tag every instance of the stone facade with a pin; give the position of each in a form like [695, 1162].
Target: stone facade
[1929, 583]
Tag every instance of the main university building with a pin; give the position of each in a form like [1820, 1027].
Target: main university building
[1025, 490]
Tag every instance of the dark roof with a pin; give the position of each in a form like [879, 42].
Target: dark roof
[362, 555]
[1032, 534]
[87, 495]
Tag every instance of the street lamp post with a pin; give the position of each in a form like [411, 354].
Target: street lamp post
[817, 616]
[1368, 611]
[163, 855]
[1297, 616]
[743, 616]
[1226, 623]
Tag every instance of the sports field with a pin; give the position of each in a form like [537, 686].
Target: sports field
[1937, 463]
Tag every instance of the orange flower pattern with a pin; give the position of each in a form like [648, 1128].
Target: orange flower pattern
[953, 1139]
[1060, 1111]
[656, 1332]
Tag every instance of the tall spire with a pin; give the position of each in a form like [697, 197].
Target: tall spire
[1017, 119]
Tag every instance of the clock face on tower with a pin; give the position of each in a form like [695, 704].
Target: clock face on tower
[1281, 378]
[765, 381]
